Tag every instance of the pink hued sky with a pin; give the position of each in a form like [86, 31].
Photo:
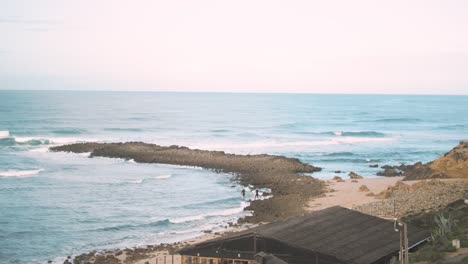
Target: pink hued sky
[329, 46]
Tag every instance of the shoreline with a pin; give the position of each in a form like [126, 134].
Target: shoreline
[290, 188]
[149, 253]
[345, 194]
[293, 193]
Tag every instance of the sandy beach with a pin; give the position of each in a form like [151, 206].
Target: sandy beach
[347, 194]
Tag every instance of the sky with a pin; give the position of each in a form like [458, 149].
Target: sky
[329, 46]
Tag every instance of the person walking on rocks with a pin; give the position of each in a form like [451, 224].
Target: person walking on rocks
[243, 193]
[256, 194]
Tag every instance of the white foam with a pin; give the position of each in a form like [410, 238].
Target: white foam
[19, 173]
[4, 134]
[338, 133]
[225, 212]
[85, 154]
[280, 144]
[187, 219]
[140, 181]
[40, 150]
[137, 181]
[54, 140]
[162, 177]
[131, 161]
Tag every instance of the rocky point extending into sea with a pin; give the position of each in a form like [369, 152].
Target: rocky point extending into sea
[291, 189]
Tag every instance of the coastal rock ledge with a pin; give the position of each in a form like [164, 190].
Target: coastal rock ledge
[291, 189]
[453, 164]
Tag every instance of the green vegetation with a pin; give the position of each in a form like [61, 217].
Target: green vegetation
[446, 224]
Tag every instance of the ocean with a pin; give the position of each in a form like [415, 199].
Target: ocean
[58, 204]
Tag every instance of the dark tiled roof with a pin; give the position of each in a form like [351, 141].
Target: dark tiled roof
[348, 235]
[271, 259]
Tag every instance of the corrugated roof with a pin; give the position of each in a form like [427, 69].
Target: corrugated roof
[348, 235]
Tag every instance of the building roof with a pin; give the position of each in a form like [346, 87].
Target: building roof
[348, 235]
[270, 259]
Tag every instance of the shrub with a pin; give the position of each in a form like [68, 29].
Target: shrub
[443, 227]
[427, 253]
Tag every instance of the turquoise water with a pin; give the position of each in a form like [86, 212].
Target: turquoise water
[58, 204]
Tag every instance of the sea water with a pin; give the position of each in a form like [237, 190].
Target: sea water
[58, 204]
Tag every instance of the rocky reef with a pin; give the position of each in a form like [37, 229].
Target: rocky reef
[284, 176]
[453, 164]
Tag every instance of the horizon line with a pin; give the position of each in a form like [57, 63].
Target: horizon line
[227, 92]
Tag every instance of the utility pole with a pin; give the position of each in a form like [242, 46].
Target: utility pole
[405, 231]
[402, 228]
[255, 243]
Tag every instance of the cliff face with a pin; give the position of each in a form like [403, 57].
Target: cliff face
[454, 164]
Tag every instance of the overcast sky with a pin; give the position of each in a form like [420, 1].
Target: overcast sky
[329, 46]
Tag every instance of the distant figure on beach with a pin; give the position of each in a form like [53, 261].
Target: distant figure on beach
[243, 193]
[256, 193]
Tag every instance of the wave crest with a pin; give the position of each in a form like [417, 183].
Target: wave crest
[354, 133]
[36, 141]
[225, 212]
[140, 181]
[19, 173]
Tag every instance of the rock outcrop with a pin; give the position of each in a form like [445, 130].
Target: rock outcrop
[453, 164]
[363, 188]
[355, 176]
[390, 171]
[338, 179]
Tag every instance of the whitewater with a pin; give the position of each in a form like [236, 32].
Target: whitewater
[58, 204]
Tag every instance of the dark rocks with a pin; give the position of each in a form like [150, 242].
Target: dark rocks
[374, 165]
[338, 171]
[363, 188]
[282, 175]
[338, 179]
[390, 171]
[355, 176]
[453, 164]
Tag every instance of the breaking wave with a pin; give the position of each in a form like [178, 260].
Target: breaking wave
[19, 173]
[8, 140]
[162, 177]
[278, 144]
[354, 134]
[140, 181]
[225, 212]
